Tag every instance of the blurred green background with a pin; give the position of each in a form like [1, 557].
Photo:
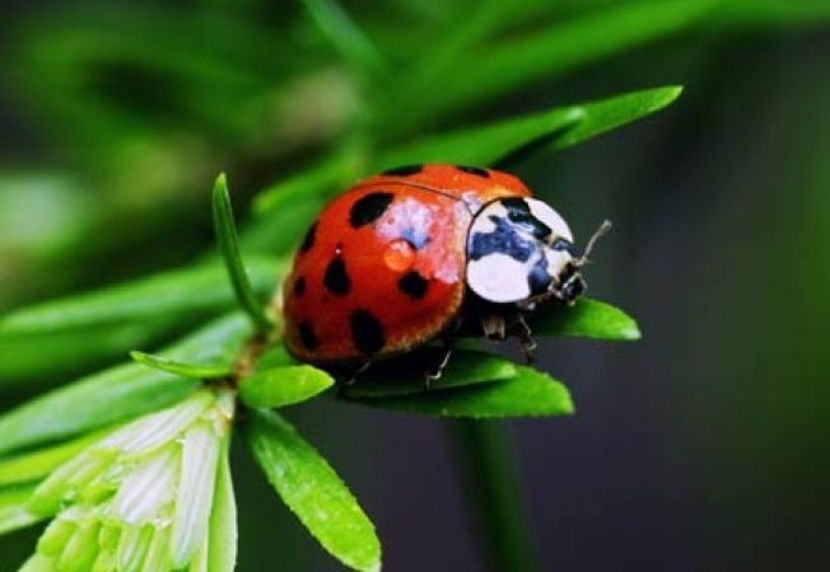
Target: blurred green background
[702, 447]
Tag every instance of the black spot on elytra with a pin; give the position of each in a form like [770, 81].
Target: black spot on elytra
[369, 208]
[477, 171]
[504, 239]
[404, 171]
[367, 332]
[307, 336]
[413, 285]
[299, 286]
[336, 279]
[308, 240]
[539, 280]
[518, 211]
[418, 239]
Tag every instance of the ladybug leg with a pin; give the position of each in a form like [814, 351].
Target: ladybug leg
[436, 371]
[494, 326]
[350, 376]
[525, 335]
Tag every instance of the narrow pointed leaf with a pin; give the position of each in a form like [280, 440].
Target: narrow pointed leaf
[337, 27]
[35, 357]
[190, 291]
[313, 491]
[588, 318]
[772, 13]
[14, 512]
[222, 535]
[464, 368]
[35, 465]
[607, 114]
[281, 386]
[529, 393]
[229, 247]
[560, 127]
[118, 393]
[497, 68]
[191, 370]
[325, 178]
[487, 144]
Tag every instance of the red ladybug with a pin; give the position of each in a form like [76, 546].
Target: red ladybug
[404, 257]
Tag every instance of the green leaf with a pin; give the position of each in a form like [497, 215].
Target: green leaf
[193, 371]
[404, 378]
[14, 513]
[338, 27]
[32, 466]
[499, 67]
[274, 356]
[772, 13]
[223, 534]
[326, 178]
[530, 393]
[229, 247]
[485, 144]
[588, 318]
[561, 126]
[607, 114]
[188, 291]
[281, 386]
[290, 206]
[118, 393]
[313, 491]
[35, 357]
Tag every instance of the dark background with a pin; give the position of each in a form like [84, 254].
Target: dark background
[703, 446]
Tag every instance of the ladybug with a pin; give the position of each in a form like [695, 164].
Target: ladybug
[407, 256]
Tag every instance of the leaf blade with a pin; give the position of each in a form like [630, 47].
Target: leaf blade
[563, 46]
[588, 318]
[563, 126]
[192, 290]
[223, 533]
[193, 371]
[466, 367]
[226, 235]
[14, 512]
[337, 27]
[281, 386]
[118, 393]
[307, 483]
[28, 467]
[530, 393]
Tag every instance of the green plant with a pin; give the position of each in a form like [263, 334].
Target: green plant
[154, 491]
[77, 452]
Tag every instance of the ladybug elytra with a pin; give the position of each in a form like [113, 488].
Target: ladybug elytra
[404, 257]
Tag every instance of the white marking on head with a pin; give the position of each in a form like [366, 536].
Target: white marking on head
[545, 213]
[499, 278]
[557, 260]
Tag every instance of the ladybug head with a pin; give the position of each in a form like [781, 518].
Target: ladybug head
[520, 250]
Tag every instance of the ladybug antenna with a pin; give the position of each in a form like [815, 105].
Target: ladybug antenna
[601, 231]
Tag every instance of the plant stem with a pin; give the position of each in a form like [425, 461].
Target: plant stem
[490, 482]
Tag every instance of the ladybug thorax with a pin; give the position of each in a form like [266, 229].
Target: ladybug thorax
[520, 249]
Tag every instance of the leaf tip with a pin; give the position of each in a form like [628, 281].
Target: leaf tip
[632, 332]
[375, 567]
[672, 92]
[221, 180]
[138, 356]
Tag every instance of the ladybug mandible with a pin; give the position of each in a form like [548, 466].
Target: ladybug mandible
[410, 255]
